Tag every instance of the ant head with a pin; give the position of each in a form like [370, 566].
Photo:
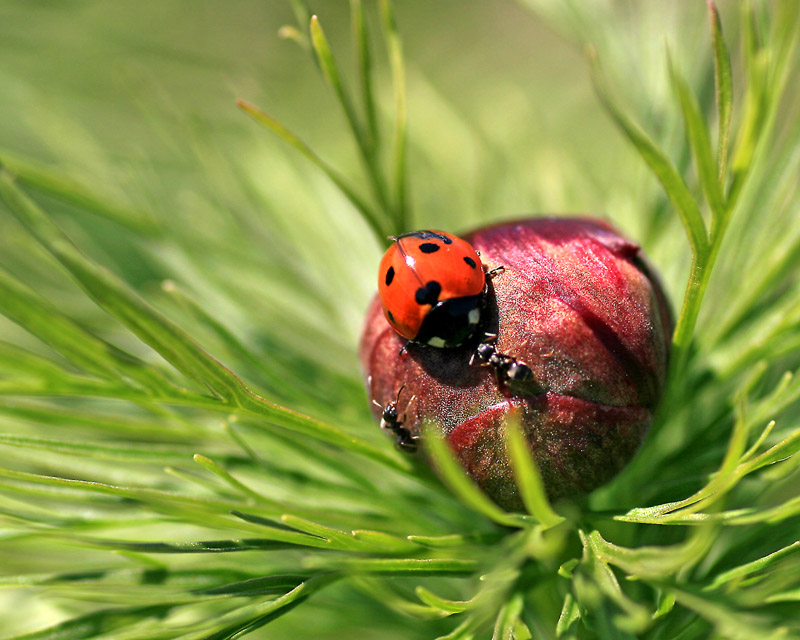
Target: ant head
[390, 413]
[485, 350]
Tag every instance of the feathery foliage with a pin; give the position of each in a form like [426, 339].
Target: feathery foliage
[195, 460]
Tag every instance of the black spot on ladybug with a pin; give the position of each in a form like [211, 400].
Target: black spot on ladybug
[390, 316]
[389, 276]
[429, 294]
[429, 247]
[469, 261]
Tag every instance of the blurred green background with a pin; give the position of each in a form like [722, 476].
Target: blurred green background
[502, 117]
[134, 102]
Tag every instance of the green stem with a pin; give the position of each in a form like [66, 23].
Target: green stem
[367, 151]
[700, 274]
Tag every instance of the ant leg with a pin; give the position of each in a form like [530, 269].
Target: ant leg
[495, 272]
[407, 443]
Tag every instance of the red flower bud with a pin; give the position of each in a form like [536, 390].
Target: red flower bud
[578, 305]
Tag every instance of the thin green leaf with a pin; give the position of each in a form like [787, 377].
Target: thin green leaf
[255, 616]
[381, 542]
[443, 604]
[697, 133]
[464, 631]
[288, 32]
[757, 444]
[527, 476]
[384, 592]
[330, 71]
[566, 569]
[342, 539]
[737, 574]
[301, 12]
[117, 451]
[756, 99]
[397, 567]
[119, 301]
[92, 354]
[454, 477]
[508, 617]
[112, 295]
[202, 546]
[364, 58]
[370, 216]
[652, 562]
[785, 449]
[245, 446]
[666, 603]
[153, 574]
[661, 166]
[231, 343]
[723, 81]
[56, 416]
[727, 617]
[597, 579]
[96, 623]
[455, 540]
[397, 63]
[570, 614]
[220, 472]
[197, 510]
[26, 364]
[56, 184]
[266, 585]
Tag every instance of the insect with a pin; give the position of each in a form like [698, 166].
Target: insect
[506, 368]
[390, 421]
[433, 288]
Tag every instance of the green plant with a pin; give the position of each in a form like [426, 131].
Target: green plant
[149, 492]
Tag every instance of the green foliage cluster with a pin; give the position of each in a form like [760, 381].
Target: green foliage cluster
[148, 491]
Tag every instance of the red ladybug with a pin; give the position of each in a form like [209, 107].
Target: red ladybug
[433, 288]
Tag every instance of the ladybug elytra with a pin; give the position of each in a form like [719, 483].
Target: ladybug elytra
[432, 287]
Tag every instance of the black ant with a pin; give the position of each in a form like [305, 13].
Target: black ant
[506, 368]
[390, 421]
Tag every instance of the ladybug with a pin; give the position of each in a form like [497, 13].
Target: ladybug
[433, 287]
[390, 421]
[507, 369]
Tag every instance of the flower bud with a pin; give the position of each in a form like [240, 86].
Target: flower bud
[579, 306]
